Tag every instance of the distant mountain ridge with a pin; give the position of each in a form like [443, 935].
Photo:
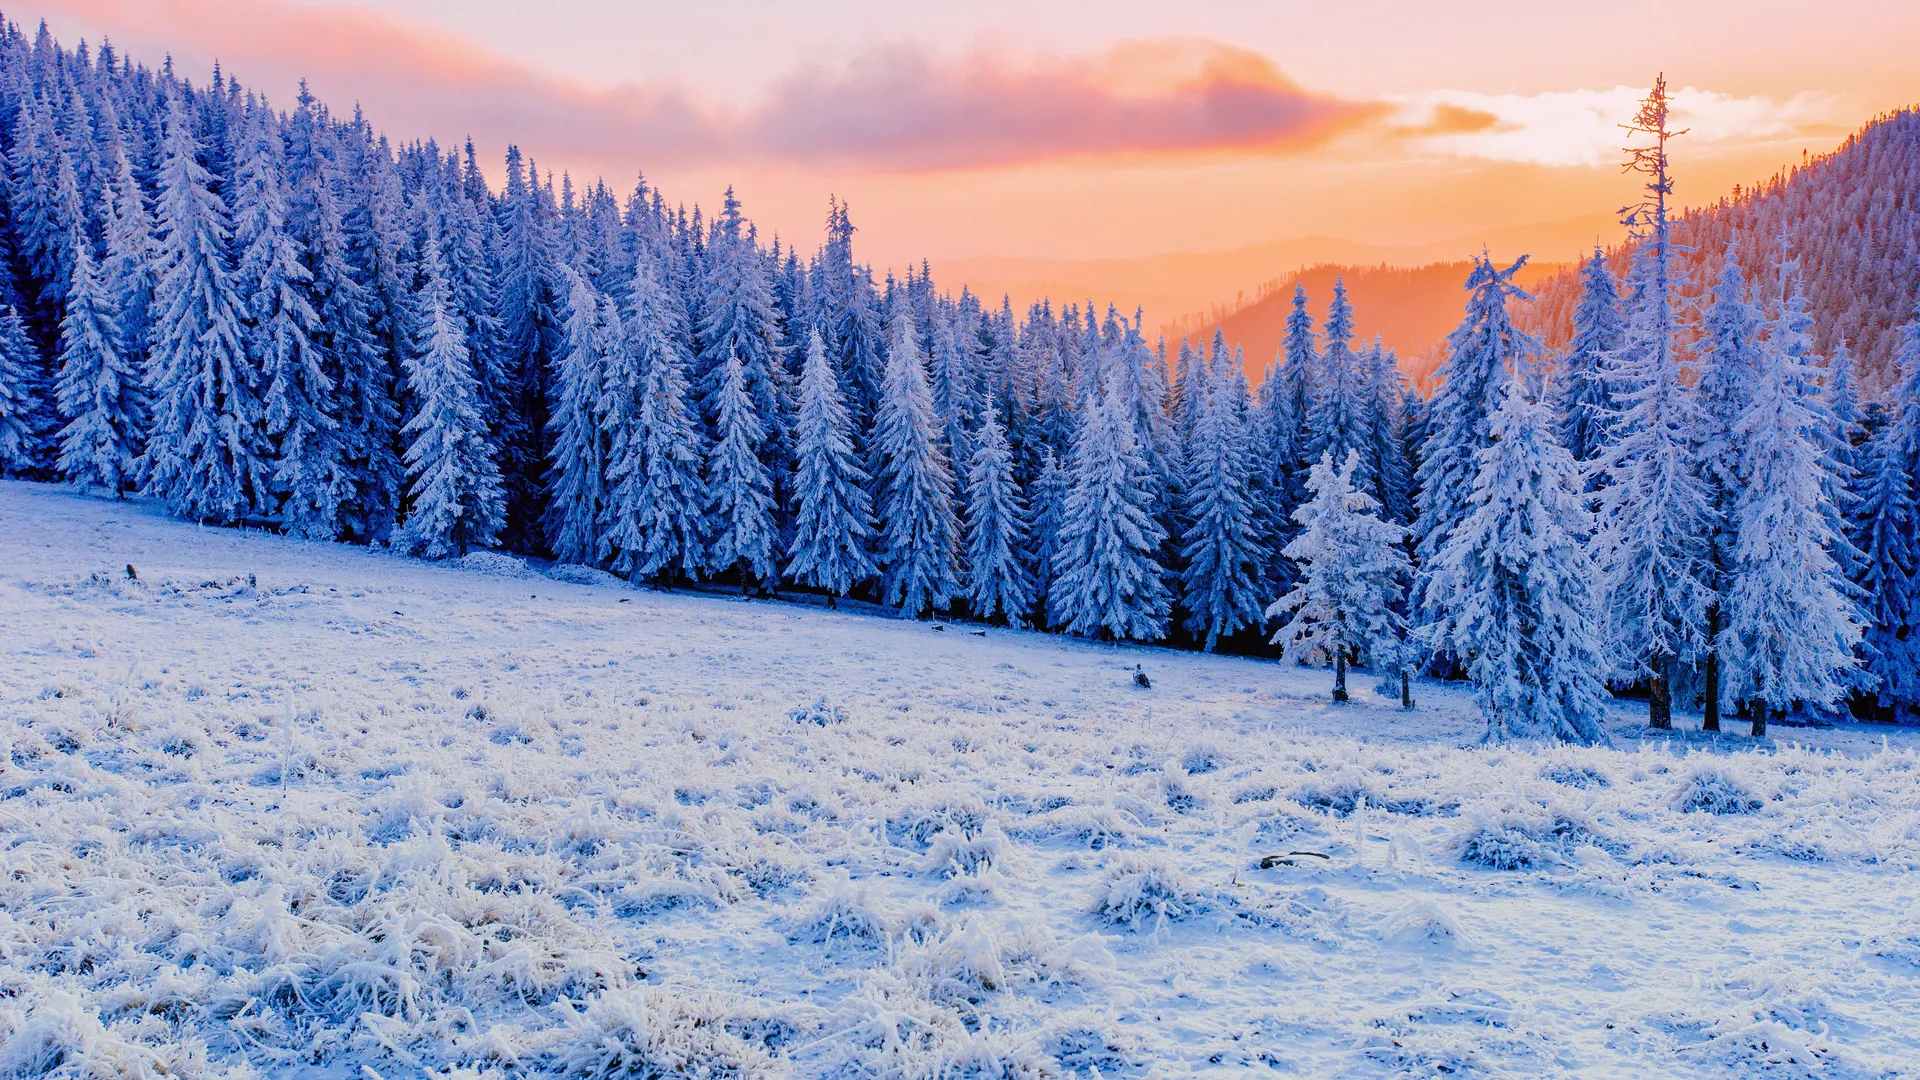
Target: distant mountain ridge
[1411, 309]
[1186, 287]
[1851, 217]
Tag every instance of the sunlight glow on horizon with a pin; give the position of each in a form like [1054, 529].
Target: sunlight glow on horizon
[1210, 130]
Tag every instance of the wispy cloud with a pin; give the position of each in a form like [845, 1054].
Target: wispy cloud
[1581, 127]
[905, 109]
[893, 109]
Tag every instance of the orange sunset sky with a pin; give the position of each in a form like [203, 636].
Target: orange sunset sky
[1011, 142]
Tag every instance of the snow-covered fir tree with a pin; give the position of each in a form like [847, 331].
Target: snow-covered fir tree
[1653, 512]
[737, 318]
[98, 391]
[26, 419]
[1789, 332]
[456, 498]
[996, 576]
[1790, 625]
[364, 384]
[741, 531]
[207, 455]
[310, 481]
[919, 531]
[1483, 353]
[1385, 462]
[1106, 580]
[656, 499]
[516, 374]
[128, 277]
[1353, 572]
[1582, 390]
[1339, 414]
[955, 365]
[1527, 617]
[1887, 533]
[1729, 365]
[1046, 506]
[1221, 547]
[832, 512]
[577, 471]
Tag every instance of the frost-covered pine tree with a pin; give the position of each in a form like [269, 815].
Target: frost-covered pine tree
[1483, 353]
[1221, 546]
[577, 430]
[737, 318]
[1790, 627]
[832, 513]
[457, 500]
[364, 382]
[955, 367]
[1527, 616]
[1352, 575]
[127, 274]
[656, 496]
[1338, 417]
[1729, 364]
[919, 534]
[207, 456]
[1046, 506]
[1887, 532]
[98, 391]
[996, 584]
[310, 481]
[1653, 512]
[1385, 462]
[1582, 390]
[1106, 582]
[741, 532]
[25, 419]
[1834, 420]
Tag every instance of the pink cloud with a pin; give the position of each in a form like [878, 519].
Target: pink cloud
[904, 110]
[892, 110]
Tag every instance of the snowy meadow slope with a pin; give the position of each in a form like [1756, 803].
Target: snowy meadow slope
[277, 808]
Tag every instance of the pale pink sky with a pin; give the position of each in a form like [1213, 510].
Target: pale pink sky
[1078, 129]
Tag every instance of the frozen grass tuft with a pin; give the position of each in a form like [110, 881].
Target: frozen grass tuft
[819, 714]
[1140, 891]
[1711, 789]
[1509, 839]
[653, 1035]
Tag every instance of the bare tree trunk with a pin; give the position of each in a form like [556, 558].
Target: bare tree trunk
[1660, 694]
[1406, 689]
[1710, 720]
[1760, 711]
[1340, 675]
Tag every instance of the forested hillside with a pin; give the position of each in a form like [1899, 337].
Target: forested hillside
[1848, 222]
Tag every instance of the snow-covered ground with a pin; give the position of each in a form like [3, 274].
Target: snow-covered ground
[525, 826]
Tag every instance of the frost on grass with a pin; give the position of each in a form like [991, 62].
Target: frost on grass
[1141, 892]
[650, 1035]
[819, 714]
[619, 851]
[1712, 789]
[1522, 839]
[1423, 922]
[496, 564]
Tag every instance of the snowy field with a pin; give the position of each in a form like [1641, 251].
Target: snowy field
[523, 826]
